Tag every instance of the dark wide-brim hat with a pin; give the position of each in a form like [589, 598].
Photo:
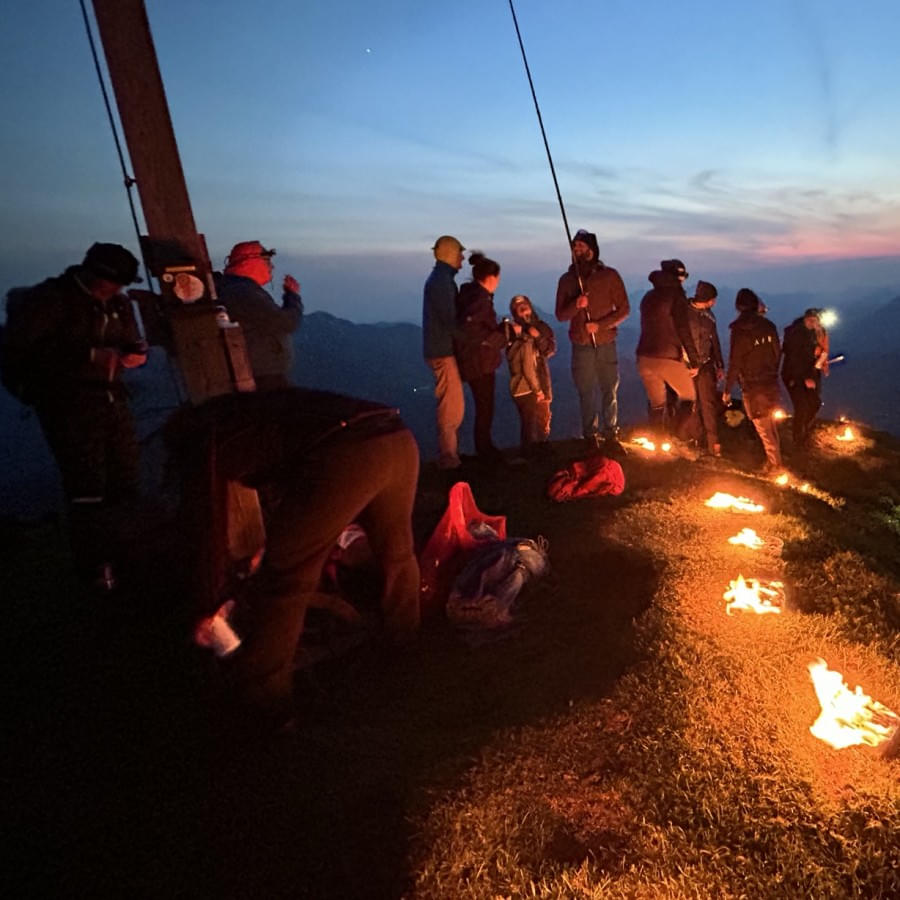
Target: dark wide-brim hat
[675, 266]
[113, 262]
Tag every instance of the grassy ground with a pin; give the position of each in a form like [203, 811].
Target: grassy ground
[626, 739]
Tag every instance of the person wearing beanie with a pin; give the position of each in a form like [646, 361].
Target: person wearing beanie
[267, 327]
[804, 363]
[477, 342]
[438, 330]
[666, 355]
[710, 367]
[530, 343]
[591, 297]
[68, 340]
[753, 364]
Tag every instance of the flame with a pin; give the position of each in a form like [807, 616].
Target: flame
[847, 435]
[848, 717]
[782, 479]
[720, 500]
[747, 537]
[779, 414]
[647, 444]
[751, 596]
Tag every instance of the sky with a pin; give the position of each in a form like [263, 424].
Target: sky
[759, 142]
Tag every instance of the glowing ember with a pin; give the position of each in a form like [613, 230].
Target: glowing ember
[848, 717]
[666, 447]
[847, 435]
[751, 596]
[782, 479]
[747, 537]
[779, 414]
[644, 442]
[720, 500]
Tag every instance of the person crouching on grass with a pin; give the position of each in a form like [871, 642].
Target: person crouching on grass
[531, 343]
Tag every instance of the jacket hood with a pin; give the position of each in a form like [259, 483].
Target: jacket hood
[661, 279]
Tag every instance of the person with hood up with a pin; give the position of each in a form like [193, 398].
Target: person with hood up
[805, 361]
[753, 364]
[711, 369]
[438, 329]
[479, 339]
[267, 327]
[666, 355]
[591, 297]
[531, 343]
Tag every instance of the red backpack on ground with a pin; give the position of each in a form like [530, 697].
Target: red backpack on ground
[591, 477]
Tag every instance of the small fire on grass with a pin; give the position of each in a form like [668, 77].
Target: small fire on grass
[747, 537]
[647, 444]
[750, 595]
[848, 717]
[721, 500]
[846, 435]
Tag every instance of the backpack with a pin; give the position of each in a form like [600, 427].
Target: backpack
[15, 350]
[592, 477]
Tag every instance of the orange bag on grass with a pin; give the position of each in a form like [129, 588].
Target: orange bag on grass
[462, 529]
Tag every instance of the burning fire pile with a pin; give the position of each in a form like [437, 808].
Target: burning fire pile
[846, 435]
[650, 446]
[751, 595]
[849, 717]
[747, 537]
[721, 500]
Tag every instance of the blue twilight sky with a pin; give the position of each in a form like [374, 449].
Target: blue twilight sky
[758, 141]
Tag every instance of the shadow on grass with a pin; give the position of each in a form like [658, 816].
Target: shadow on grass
[127, 783]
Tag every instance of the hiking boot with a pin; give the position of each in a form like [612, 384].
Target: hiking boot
[449, 461]
[613, 448]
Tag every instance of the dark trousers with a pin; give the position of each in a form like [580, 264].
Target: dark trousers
[708, 406]
[483, 394]
[372, 481]
[534, 417]
[596, 369]
[806, 402]
[92, 437]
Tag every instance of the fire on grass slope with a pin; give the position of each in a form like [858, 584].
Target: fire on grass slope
[698, 775]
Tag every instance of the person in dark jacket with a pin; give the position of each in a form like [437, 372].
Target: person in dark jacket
[805, 360]
[666, 355]
[711, 369]
[267, 327]
[478, 342]
[438, 329]
[79, 333]
[753, 364]
[332, 460]
[531, 343]
[591, 297]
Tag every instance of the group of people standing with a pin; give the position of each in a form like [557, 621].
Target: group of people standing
[679, 355]
[464, 343]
